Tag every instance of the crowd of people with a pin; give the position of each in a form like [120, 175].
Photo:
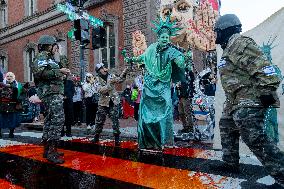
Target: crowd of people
[248, 79]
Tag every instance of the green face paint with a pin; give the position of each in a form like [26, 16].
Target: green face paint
[164, 39]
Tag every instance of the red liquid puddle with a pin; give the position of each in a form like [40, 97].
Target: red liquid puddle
[124, 144]
[127, 171]
[186, 152]
[4, 184]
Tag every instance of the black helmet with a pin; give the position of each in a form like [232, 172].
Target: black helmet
[99, 66]
[46, 40]
[226, 21]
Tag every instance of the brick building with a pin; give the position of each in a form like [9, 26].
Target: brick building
[22, 22]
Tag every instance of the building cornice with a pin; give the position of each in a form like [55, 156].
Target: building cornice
[37, 22]
[32, 24]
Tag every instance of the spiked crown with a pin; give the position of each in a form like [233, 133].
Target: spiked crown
[162, 26]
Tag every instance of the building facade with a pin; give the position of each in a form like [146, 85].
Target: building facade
[24, 21]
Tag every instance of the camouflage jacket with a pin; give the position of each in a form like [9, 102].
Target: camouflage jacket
[107, 89]
[47, 75]
[246, 74]
[64, 63]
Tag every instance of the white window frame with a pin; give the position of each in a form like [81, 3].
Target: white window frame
[30, 55]
[3, 16]
[3, 63]
[108, 47]
[30, 7]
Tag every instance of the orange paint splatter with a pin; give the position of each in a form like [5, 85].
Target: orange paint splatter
[123, 170]
[4, 184]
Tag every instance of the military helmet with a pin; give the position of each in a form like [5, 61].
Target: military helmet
[99, 66]
[226, 21]
[46, 40]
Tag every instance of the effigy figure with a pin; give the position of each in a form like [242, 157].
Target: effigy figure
[196, 19]
[163, 63]
[138, 43]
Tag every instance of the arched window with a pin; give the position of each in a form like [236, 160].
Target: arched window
[3, 64]
[30, 55]
[3, 14]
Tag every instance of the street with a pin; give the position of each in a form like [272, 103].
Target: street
[190, 164]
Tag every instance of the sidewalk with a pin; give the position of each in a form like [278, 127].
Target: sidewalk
[128, 128]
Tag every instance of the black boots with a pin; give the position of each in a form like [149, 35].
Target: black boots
[96, 138]
[11, 133]
[46, 148]
[116, 140]
[67, 132]
[50, 152]
[55, 146]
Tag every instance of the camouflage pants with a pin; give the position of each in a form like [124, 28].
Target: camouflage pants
[101, 117]
[54, 117]
[185, 113]
[249, 124]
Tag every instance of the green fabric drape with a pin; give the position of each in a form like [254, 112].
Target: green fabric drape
[271, 124]
[155, 127]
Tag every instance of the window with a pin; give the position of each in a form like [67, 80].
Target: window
[30, 55]
[107, 54]
[3, 15]
[30, 7]
[3, 64]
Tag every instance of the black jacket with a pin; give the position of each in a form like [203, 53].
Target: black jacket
[1, 77]
[69, 89]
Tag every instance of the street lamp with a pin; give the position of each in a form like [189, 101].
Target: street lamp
[3, 3]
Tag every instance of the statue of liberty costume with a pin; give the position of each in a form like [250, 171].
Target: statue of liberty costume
[271, 120]
[163, 63]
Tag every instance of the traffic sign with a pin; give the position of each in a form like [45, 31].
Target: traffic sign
[68, 9]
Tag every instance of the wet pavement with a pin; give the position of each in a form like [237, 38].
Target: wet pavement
[191, 164]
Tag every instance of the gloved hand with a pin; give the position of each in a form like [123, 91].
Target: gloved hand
[128, 60]
[267, 100]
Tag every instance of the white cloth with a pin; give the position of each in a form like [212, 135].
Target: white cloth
[90, 89]
[78, 94]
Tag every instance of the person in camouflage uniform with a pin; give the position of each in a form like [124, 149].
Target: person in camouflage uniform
[48, 69]
[250, 82]
[108, 101]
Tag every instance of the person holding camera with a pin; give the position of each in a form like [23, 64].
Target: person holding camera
[90, 88]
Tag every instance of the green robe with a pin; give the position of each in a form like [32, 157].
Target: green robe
[155, 127]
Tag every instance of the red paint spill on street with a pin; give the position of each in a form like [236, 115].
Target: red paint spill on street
[4, 184]
[187, 152]
[123, 170]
